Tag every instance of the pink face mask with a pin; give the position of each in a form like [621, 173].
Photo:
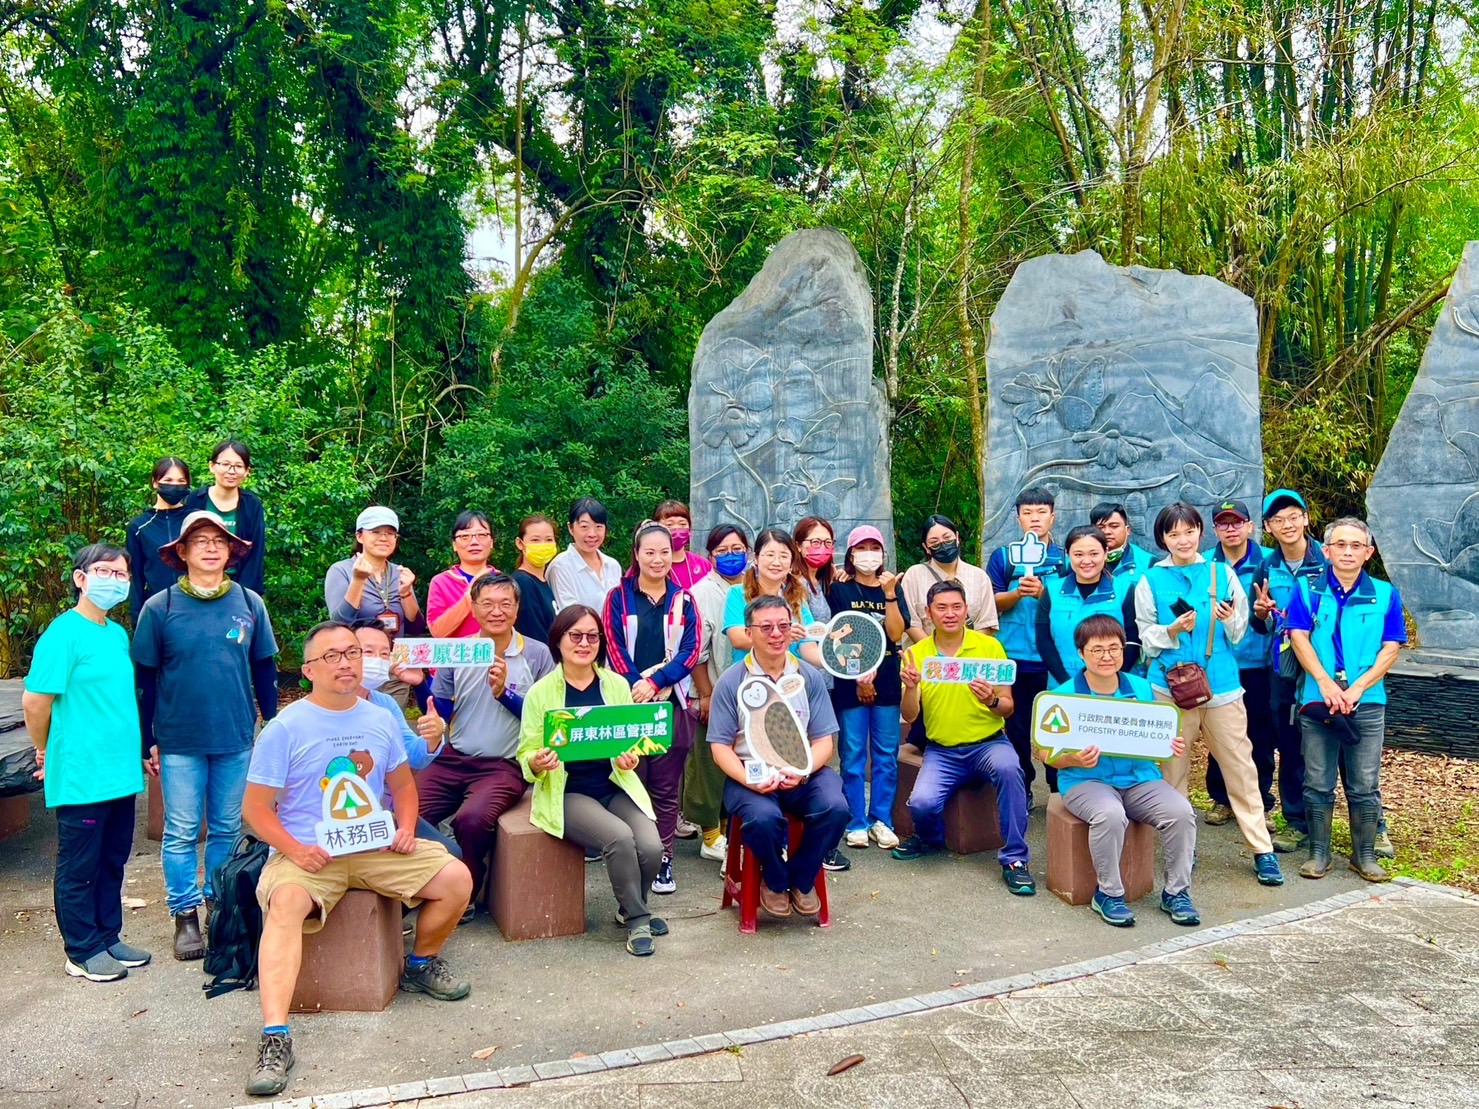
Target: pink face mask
[681, 536]
[816, 558]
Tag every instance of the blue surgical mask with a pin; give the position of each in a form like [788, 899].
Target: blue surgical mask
[104, 592]
[731, 564]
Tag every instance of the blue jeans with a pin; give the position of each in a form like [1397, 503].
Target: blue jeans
[947, 769]
[1326, 757]
[196, 786]
[864, 730]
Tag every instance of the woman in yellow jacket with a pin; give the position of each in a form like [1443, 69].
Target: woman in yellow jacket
[597, 803]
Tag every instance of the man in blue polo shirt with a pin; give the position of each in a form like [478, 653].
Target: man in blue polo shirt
[1347, 629]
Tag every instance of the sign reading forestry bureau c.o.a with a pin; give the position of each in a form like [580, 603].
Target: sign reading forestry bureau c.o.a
[1130, 729]
[606, 731]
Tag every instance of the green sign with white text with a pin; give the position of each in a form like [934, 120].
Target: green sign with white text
[606, 731]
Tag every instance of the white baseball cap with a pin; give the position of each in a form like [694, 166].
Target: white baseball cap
[377, 516]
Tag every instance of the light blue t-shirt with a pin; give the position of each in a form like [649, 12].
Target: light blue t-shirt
[413, 747]
[734, 617]
[294, 752]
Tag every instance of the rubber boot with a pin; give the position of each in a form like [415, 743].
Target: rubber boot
[1363, 842]
[1318, 817]
[188, 943]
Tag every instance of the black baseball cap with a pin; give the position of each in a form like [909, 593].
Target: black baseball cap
[1232, 508]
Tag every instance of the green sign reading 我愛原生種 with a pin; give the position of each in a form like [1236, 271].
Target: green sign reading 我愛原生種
[606, 731]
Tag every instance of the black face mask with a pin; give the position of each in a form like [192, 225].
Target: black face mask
[174, 494]
[946, 552]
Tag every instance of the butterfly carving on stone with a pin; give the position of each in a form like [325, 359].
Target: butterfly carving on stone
[1453, 545]
[1070, 390]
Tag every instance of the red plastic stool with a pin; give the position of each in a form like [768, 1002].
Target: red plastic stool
[742, 877]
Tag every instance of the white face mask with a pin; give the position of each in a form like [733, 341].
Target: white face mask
[867, 562]
[377, 672]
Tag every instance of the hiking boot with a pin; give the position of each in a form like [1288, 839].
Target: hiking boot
[639, 940]
[1113, 910]
[102, 967]
[658, 925]
[129, 956]
[1364, 823]
[188, 942]
[1318, 840]
[274, 1060]
[807, 904]
[686, 829]
[883, 835]
[774, 904]
[916, 848]
[835, 860]
[665, 882]
[1218, 814]
[1180, 909]
[1290, 840]
[1384, 848]
[1019, 879]
[857, 838]
[1266, 866]
[717, 851]
[434, 979]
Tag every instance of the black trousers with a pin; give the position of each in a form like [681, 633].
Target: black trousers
[1028, 685]
[93, 844]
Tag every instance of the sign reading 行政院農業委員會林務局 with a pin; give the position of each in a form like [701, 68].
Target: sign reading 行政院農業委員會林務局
[1129, 729]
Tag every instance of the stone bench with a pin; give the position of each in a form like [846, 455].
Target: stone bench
[353, 964]
[536, 887]
[971, 822]
[15, 815]
[1071, 869]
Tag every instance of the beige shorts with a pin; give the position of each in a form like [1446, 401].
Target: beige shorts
[383, 872]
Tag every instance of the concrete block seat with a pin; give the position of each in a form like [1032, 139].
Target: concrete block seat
[971, 822]
[1071, 869]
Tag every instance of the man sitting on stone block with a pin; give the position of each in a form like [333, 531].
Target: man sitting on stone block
[968, 745]
[297, 756]
[764, 800]
[1106, 792]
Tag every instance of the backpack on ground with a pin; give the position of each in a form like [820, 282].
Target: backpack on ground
[235, 926]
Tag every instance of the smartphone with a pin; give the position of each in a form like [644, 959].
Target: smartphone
[1180, 606]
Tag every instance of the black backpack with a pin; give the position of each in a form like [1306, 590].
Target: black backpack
[235, 926]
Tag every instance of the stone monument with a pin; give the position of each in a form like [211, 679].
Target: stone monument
[785, 418]
[1423, 500]
[1120, 384]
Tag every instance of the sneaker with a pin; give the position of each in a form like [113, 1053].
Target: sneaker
[658, 925]
[1180, 909]
[665, 882]
[274, 1060]
[883, 835]
[1218, 814]
[592, 855]
[639, 941]
[435, 979]
[686, 829]
[129, 956]
[1290, 840]
[717, 851]
[1019, 879]
[1266, 866]
[102, 967]
[857, 838]
[916, 848]
[1384, 848]
[836, 860]
[1113, 910]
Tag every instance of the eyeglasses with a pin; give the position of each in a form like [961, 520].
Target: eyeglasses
[507, 604]
[583, 637]
[819, 544]
[773, 629]
[1347, 546]
[1288, 518]
[473, 535]
[116, 575]
[1225, 525]
[1104, 652]
[229, 467]
[208, 542]
[335, 657]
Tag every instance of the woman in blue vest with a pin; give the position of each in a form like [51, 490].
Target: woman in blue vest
[1108, 791]
[1087, 589]
[1347, 629]
[1185, 604]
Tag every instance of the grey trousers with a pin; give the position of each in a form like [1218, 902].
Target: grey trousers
[628, 841]
[1108, 812]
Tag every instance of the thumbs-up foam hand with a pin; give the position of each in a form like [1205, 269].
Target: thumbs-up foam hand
[1030, 553]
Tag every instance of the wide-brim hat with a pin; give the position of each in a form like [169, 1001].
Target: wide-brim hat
[237, 548]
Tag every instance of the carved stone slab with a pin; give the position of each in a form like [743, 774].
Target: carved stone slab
[1423, 500]
[1132, 385]
[785, 418]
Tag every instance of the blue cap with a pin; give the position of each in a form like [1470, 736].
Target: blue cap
[1282, 498]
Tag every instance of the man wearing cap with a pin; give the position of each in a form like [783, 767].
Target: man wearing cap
[1295, 557]
[204, 653]
[368, 586]
[1234, 526]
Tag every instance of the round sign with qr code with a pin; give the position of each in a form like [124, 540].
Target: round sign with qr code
[853, 645]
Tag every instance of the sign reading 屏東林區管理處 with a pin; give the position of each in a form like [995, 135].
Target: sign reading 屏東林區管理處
[608, 731]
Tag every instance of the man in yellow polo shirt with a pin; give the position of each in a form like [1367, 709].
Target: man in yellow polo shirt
[967, 745]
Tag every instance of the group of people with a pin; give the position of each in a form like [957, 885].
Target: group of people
[1291, 641]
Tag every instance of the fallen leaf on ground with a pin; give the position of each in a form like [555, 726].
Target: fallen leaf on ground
[579, 1055]
[134, 902]
[845, 1064]
[140, 1013]
[484, 1053]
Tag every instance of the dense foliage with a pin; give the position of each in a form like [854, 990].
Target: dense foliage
[253, 217]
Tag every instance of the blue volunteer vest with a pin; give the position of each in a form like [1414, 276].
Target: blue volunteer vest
[1189, 583]
[1120, 773]
[1017, 630]
[1252, 650]
[1133, 564]
[1362, 619]
[1070, 608]
[1282, 582]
